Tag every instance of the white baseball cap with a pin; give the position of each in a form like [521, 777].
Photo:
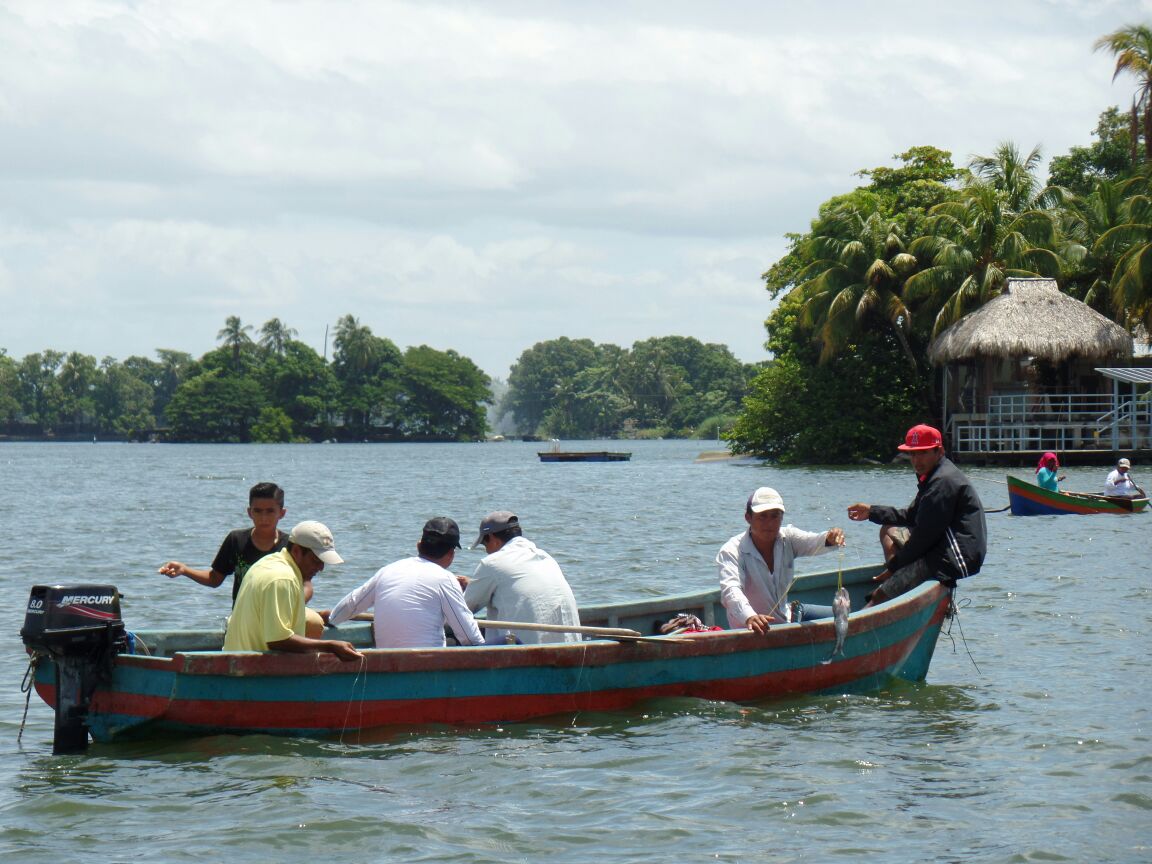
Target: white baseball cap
[317, 537]
[765, 498]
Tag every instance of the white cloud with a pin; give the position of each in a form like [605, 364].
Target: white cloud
[480, 176]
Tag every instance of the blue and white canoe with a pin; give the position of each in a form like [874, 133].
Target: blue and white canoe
[181, 682]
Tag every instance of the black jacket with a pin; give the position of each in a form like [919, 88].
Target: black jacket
[946, 525]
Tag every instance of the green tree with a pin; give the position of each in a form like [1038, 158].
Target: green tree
[366, 367]
[163, 375]
[849, 408]
[906, 193]
[539, 374]
[999, 228]
[123, 400]
[77, 377]
[215, 406]
[235, 338]
[272, 427]
[1108, 158]
[40, 394]
[10, 410]
[855, 281]
[1132, 48]
[301, 385]
[443, 395]
[275, 336]
[1131, 284]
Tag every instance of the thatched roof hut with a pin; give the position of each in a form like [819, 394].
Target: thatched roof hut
[1032, 318]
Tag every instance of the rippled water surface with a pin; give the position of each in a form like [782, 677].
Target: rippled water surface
[1030, 741]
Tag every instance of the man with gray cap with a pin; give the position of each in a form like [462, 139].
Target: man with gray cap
[756, 567]
[414, 598]
[269, 612]
[518, 581]
[1120, 483]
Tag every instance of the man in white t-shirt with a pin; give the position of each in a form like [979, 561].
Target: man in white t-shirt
[519, 581]
[415, 598]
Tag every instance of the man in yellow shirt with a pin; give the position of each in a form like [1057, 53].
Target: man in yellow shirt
[269, 611]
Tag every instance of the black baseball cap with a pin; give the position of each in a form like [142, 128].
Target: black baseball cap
[441, 530]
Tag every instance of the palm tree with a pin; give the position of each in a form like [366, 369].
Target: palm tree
[855, 281]
[1001, 226]
[1091, 246]
[274, 336]
[1132, 47]
[1012, 175]
[354, 349]
[1131, 286]
[235, 336]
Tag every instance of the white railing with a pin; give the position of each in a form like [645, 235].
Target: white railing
[1052, 421]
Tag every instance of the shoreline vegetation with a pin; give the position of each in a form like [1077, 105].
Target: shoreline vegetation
[881, 271]
[276, 389]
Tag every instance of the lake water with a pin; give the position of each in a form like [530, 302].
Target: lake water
[1029, 742]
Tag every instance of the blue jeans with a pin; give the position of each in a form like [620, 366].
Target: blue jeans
[810, 611]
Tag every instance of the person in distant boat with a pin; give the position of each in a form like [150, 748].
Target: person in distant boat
[269, 610]
[1120, 483]
[940, 535]
[756, 566]
[1048, 473]
[243, 547]
[415, 598]
[518, 581]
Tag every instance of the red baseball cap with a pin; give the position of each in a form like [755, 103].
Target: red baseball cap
[922, 437]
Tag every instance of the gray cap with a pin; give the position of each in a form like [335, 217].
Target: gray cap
[495, 522]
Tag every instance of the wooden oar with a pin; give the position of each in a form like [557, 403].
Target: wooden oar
[1123, 502]
[620, 634]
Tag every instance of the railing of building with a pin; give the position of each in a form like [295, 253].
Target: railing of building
[1053, 421]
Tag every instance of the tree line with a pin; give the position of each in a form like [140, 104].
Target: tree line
[274, 388]
[667, 386]
[888, 266]
[270, 389]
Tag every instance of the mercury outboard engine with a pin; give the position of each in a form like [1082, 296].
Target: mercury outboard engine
[79, 627]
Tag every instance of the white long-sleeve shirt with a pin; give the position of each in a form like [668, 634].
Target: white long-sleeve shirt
[1121, 484]
[749, 586]
[521, 582]
[413, 599]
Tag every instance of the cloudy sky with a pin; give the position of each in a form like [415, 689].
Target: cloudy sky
[481, 176]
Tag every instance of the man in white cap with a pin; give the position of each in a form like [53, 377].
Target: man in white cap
[756, 567]
[519, 581]
[269, 611]
[1120, 483]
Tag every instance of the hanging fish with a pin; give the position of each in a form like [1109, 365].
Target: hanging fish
[841, 606]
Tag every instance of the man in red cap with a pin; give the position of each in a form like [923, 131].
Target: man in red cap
[945, 537]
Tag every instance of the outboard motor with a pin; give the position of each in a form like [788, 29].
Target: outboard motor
[79, 627]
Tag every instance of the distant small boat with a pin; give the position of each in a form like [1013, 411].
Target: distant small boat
[583, 456]
[1027, 499]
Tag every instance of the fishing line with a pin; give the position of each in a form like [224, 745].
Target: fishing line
[954, 615]
[580, 675]
[352, 699]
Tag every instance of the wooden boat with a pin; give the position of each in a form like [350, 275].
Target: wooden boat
[180, 682]
[583, 456]
[1027, 499]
